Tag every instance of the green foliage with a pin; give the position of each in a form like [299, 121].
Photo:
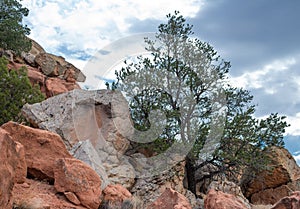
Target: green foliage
[189, 85]
[15, 91]
[13, 32]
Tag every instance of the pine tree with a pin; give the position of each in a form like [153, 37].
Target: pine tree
[15, 91]
[186, 79]
[13, 33]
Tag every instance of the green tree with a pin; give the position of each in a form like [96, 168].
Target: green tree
[13, 32]
[186, 79]
[15, 91]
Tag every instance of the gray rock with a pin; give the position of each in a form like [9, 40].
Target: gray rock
[101, 117]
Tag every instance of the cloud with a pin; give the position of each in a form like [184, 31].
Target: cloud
[250, 34]
[276, 88]
[297, 158]
[89, 25]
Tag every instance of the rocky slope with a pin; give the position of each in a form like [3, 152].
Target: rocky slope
[52, 73]
[74, 155]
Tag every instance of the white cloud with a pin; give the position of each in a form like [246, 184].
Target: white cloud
[294, 129]
[89, 25]
[297, 158]
[256, 78]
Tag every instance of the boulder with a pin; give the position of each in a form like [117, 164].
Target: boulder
[170, 199]
[8, 165]
[64, 114]
[78, 181]
[55, 86]
[38, 143]
[290, 202]
[220, 200]
[107, 126]
[48, 65]
[282, 170]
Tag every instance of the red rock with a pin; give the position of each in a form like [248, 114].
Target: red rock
[9, 160]
[290, 202]
[56, 86]
[284, 169]
[116, 193]
[219, 200]
[42, 149]
[170, 199]
[74, 176]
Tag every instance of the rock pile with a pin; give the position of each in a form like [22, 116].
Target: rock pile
[53, 74]
[74, 155]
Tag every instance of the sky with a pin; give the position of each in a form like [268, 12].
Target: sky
[261, 39]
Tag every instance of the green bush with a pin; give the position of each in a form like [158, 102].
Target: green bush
[15, 91]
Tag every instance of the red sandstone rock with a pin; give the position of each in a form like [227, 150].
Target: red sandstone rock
[291, 202]
[74, 176]
[284, 170]
[116, 193]
[8, 159]
[170, 199]
[56, 86]
[219, 200]
[42, 149]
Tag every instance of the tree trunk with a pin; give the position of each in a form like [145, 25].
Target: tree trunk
[190, 174]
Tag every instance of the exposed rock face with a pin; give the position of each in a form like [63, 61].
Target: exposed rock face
[290, 202]
[52, 73]
[220, 200]
[170, 199]
[105, 116]
[42, 149]
[8, 165]
[271, 185]
[79, 182]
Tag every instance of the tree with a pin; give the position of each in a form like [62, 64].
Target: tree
[15, 91]
[13, 32]
[186, 79]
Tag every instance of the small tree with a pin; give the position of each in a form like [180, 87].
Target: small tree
[15, 91]
[13, 32]
[189, 85]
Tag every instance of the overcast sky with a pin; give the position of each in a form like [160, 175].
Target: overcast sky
[261, 39]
